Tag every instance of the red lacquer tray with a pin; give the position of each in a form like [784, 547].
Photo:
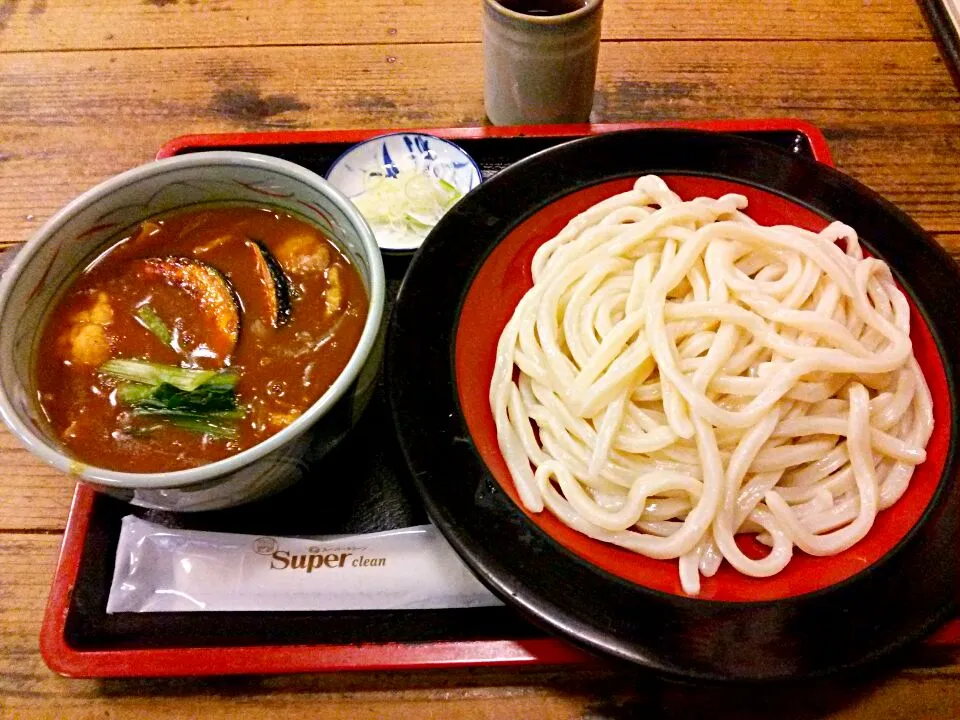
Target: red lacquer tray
[78, 638]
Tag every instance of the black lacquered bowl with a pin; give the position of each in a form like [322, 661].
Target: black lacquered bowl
[819, 614]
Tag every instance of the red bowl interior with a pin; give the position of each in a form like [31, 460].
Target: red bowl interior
[500, 284]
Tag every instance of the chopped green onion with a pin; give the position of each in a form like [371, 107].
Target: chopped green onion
[155, 374]
[417, 222]
[151, 321]
[453, 192]
[419, 190]
[403, 205]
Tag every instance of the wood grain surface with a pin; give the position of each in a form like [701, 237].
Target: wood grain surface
[89, 89]
[115, 24]
[878, 103]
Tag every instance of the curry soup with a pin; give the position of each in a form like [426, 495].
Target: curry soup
[196, 337]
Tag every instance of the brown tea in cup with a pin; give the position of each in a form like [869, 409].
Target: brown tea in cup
[543, 8]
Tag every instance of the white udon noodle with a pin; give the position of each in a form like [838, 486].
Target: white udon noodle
[693, 375]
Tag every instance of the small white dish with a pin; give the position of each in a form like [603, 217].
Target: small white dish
[393, 157]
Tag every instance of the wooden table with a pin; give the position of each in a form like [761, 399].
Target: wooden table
[89, 89]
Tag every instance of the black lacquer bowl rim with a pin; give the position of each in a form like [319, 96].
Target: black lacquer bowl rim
[895, 600]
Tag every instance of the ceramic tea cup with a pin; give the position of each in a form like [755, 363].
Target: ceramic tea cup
[540, 60]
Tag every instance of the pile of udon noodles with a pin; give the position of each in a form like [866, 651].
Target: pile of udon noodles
[691, 375]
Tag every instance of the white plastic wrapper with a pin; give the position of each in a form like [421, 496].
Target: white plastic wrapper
[164, 570]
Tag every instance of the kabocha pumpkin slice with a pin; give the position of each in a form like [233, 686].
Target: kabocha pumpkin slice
[274, 282]
[209, 289]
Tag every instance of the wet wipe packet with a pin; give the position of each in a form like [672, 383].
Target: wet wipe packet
[159, 569]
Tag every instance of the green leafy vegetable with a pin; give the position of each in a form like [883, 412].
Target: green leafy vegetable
[217, 395]
[151, 321]
[133, 393]
[150, 373]
[202, 401]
